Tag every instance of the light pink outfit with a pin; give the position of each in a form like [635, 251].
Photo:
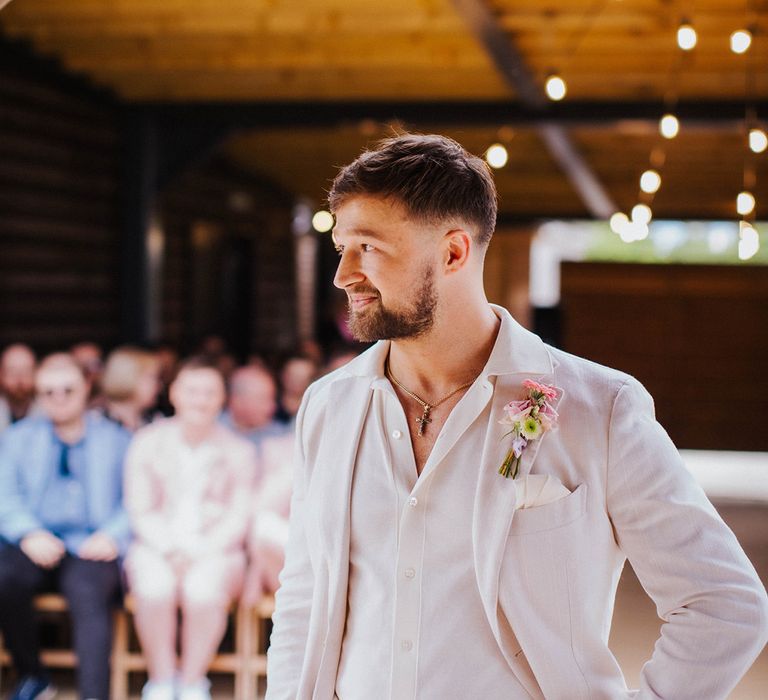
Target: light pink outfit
[189, 508]
[268, 535]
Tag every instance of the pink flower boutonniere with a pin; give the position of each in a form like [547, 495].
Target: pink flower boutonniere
[529, 419]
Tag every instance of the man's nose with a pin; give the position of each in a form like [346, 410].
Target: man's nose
[348, 271]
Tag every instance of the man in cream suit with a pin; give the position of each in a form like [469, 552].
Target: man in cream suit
[414, 568]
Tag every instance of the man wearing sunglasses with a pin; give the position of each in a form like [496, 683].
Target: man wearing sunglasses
[62, 527]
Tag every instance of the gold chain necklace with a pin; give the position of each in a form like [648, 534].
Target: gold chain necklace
[427, 407]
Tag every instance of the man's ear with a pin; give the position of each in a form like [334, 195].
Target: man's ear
[457, 245]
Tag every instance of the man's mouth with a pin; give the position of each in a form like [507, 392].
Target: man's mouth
[358, 302]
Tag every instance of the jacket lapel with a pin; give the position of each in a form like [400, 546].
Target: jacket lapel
[519, 356]
[330, 492]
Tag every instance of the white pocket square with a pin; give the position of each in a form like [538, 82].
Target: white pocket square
[537, 489]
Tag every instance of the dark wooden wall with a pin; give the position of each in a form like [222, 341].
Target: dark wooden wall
[65, 161]
[695, 335]
[229, 261]
[58, 211]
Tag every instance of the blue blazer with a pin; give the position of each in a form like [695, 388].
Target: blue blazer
[28, 458]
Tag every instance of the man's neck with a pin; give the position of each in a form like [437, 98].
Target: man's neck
[72, 431]
[453, 352]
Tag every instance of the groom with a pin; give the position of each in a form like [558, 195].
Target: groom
[414, 568]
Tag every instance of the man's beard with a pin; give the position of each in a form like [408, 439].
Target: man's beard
[376, 322]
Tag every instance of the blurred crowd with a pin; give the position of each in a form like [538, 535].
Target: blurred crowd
[138, 471]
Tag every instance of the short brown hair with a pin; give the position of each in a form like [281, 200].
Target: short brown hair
[433, 176]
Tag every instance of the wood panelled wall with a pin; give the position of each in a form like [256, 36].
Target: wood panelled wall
[228, 261]
[695, 335]
[58, 212]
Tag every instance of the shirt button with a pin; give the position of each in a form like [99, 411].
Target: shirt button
[410, 573]
[397, 434]
[413, 501]
[406, 645]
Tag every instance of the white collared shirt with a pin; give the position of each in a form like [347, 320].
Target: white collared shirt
[416, 627]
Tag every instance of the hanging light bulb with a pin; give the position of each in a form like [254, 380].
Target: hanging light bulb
[555, 87]
[497, 156]
[686, 36]
[669, 126]
[322, 221]
[618, 221]
[641, 214]
[745, 203]
[749, 241]
[650, 181]
[741, 40]
[758, 141]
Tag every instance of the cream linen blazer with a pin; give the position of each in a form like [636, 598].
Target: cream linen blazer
[547, 574]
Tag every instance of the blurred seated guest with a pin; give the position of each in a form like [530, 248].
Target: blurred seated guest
[17, 384]
[188, 487]
[62, 526]
[296, 375]
[252, 405]
[339, 358]
[130, 385]
[268, 535]
[91, 359]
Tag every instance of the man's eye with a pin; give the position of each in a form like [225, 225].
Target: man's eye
[367, 247]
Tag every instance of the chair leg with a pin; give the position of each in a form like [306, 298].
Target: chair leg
[119, 676]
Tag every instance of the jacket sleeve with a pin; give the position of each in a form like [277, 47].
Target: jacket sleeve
[705, 589]
[16, 517]
[293, 601]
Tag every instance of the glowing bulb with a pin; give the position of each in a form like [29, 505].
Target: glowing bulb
[669, 126]
[686, 37]
[741, 41]
[758, 141]
[745, 203]
[618, 221]
[641, 214]
[497, 156]
[749, 241]
[322, 221]
[650, 181]
[555, 87]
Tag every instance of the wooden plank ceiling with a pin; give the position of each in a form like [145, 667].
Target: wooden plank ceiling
[611, 52]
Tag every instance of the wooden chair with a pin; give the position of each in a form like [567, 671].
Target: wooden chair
[247, 662]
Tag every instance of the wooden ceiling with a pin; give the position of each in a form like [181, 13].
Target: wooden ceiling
[448, 58]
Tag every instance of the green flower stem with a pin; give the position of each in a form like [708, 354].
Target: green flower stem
[510, 465]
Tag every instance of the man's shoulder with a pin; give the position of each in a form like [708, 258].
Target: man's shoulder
[580, 376]
[25, 428]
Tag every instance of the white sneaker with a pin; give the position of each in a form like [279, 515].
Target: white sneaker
[158, 690]
[196, 691]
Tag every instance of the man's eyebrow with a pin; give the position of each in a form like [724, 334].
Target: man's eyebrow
[363, 232]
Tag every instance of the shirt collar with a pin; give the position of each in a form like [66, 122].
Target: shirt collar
[516, 351]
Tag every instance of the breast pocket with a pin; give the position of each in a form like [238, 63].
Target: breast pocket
[550, 516]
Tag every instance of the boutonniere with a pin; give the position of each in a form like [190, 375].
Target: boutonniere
[529, 419]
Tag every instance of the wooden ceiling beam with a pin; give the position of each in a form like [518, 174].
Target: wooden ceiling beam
[512, 66]
[715, 115]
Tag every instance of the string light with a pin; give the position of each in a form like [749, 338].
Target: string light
[618, 221]
[686, 37]
[669, 126]
[745, 203]
[497, 156]
[322, 221]
[641, 214]
[650, 181]
[555, 87]
[758, 141]
[749, 241]
[741, 40]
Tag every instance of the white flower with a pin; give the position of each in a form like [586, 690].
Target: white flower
[530, 428]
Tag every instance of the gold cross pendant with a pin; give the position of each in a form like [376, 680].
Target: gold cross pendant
[424, 419]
